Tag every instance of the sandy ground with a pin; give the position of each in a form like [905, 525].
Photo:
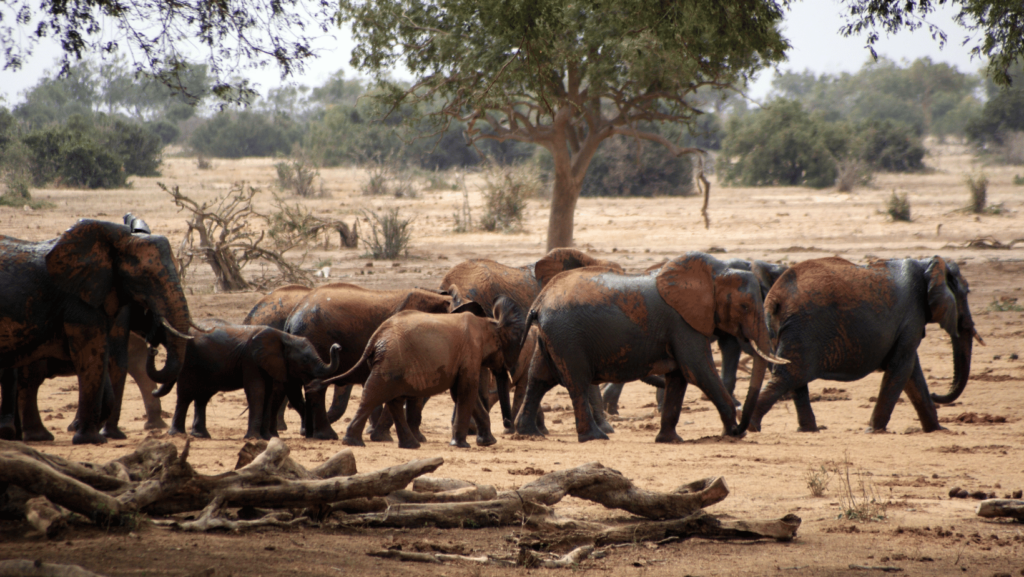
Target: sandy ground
[923, 531]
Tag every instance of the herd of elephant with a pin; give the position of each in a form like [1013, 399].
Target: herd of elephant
[99, 300]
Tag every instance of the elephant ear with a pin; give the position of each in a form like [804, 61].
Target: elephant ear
[941, 300]
[470, 307]
[766, 274]
[424, 301]
[81, 262]
[563, 259]
[267, 354]
[688, 286]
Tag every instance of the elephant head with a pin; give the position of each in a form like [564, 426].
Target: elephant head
[947, 305]
[425, 300]
[107, 267]
[563, 259]
[288, 358]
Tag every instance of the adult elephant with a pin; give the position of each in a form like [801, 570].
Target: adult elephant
[61, 299]
[272, 311]
[347, 314]
[31, 377]
[268, 364]
[838, 321]
[729, 345]
[484, 280]
[597, 325]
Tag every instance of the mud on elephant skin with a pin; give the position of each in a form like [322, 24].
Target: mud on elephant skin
[415, 354]
[61, 298]
[268, 364]
[348, 315]
[839, 321]
[597, 325]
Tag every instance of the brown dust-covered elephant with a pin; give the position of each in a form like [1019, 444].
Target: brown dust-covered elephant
[416, 354]
[838, 321]
[597, 325]
[347, 314]
[61, 299]
[268, 364]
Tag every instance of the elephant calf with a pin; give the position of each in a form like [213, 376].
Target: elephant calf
[267, 363]
[416, 354]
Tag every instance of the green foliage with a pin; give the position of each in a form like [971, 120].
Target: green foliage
[624, 167]
[898, 207]
[1002, 115]
[167, 132]
[390, 234]
[241, 134]
[1005, 304]
[1018, 180]
[137, 147]
[783, 145]
[505, 192]
[818, 480]
[889, 146]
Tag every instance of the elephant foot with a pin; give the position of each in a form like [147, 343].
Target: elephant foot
[333, 415]
[508, 431]
[113, 433]
[529, 428]
[543, 430]
[154, 424]
[595, 434]
[460, 443]
[606, 427]
[485, 441]
[381, 436]
[37, 435]
[202, 434]
[174, 431]
[352, 441]
[250, 436]
[611, 408]
[419, 436]
[73, 426]
[874, 431]
[937, 429]
[328, 435]
[409, 444]
[736, 402]
[92, 438]
[670, 437]
[8, 433]
[811, 429]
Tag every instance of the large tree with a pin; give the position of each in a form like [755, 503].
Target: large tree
[565, 75]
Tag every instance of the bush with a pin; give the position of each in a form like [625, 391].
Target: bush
[978, 187]
[387, 179]
[890, 146]
[241, 134]
[898, 207]
[72, 155]
[167, 132]
[616, 170]
[505, 194]
[136, 146]
[297, 176]
[852, 172]
[783, 145]
[390, 234]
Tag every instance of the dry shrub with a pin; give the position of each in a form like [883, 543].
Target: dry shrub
[1018, 180]
[390, 235]
[297, 176]
[819, 479]
[386, 179]
[852, 173]
[505, 192]
[858, 500]
[463, 217]
[898, 207]
[203, 163]
[978, 187]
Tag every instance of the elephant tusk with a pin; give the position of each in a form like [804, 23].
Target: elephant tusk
[770, 358]
[980, 340]
[174, 331]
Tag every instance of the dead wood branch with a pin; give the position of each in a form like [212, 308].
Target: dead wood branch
[987, 242]
[437, 558]
[886, 568]
[84, 473]
[26, 568]
[438, 484]
[39, 477]
[45, 517]
[1001, 508]
[225, 238]
[463, 495]
[208, 520]
[532, 559]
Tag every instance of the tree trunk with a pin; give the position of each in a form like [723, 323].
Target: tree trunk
[563, 205]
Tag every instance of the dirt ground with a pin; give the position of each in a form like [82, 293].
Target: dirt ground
[923, 531]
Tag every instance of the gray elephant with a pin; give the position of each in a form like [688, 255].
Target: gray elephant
[596, 325]
[267, 363]
[835, 320]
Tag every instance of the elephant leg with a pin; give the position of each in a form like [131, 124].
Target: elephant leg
[675, 390]
[698, 367]
[597, 406]
[542, 379]
[315, 420]
[279, 418]
[30, 378]
[414, 415]
[406, 438]
[339, 402]
[88, 347]
[804, 415]
[731, 349]
[257, 396]
[659, 397]
[199, 420]
[371, 399]
[381, 421]
[484, 436]
[10, 419]
[894, 380]
[917, 391]
[610, 395]
[118, 375]
[466, 393]
[137, 369]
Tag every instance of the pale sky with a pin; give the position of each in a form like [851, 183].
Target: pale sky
[812, 27]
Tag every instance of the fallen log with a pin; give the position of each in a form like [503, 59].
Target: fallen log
[1001, 508]
[437, 558]
[438, 484]
[88, 475]
[26, 568]
[40, 478]
[465, 494]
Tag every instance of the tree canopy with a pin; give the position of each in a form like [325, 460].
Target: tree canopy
[563, 75]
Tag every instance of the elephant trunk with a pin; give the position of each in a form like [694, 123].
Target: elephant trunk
[753, 392]
[175, 346]
[963, 345]
[325, 370]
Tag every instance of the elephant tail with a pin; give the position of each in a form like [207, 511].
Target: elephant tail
[164, 389]
[532, 316]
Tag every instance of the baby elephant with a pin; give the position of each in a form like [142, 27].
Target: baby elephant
[266, 362]
[416, 354]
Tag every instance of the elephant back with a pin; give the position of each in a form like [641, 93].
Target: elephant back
[562, 259]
